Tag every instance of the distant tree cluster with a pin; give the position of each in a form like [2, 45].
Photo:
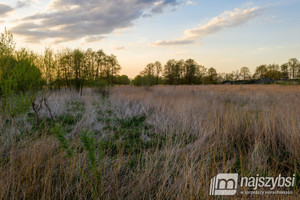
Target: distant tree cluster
[190, 72]
[66, 68]
[78, 68]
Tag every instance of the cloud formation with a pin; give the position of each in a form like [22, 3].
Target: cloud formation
[227, 19]
[24, 3]
[4, 9]
[119, 48]
[67, 20]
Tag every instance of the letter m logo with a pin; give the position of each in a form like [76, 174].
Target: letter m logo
[224, 184]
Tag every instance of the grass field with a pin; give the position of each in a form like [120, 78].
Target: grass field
[163, 142]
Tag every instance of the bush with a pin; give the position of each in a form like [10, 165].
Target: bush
[122, 80]
[95, 83]
[20, 80]
[147, 80]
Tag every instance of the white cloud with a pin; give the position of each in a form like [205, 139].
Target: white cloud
[227, 19]
[4, 9]
[67, 20]
[191, 3]
[119, 48]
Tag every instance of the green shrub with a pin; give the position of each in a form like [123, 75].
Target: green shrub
[60, 134]
[122, 80]
[147, 80]
[88, 140]
[20, 80]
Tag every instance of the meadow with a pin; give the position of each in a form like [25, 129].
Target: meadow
[161, 142]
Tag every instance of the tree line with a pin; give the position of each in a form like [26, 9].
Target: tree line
[65, 68]
[77, 68]
[176, 72]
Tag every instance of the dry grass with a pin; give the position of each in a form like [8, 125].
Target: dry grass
[182, 137]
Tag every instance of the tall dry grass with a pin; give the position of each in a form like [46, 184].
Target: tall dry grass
[198, 131]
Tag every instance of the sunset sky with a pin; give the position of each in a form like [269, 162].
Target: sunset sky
[222, 34]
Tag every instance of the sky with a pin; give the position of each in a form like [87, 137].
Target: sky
[226, 35]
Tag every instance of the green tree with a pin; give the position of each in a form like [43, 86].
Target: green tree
[138, 80]
[285, 71]
[245, 73]
[78, 65]
[158, 70]
[149, 70]
[20, 81]
[101, 58]
[236, 75]
[172, 72]
[114, 68]
[191, 70]
[7, 44]
[201, 73]
[49, 65]
[91, 63]
[260, 71]
[212, 76]
[294, 67]
[229, 77]
[122, 80]
[273, 72]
